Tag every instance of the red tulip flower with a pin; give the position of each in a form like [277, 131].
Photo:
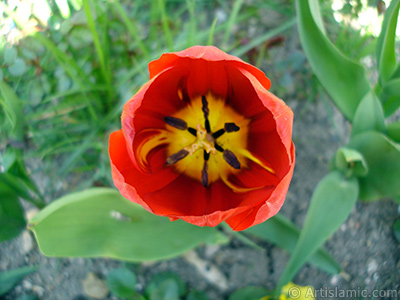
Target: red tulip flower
[205, 141]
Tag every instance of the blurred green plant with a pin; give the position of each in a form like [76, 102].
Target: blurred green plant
[11, 278]
[368, 167]
[162, 286]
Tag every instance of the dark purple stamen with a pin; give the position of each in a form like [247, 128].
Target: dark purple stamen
[174, 158]
[231, 159]
[204, 108]
[231, 127]
[175, 122]
[204, 174]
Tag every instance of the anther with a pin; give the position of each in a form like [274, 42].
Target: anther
[174, 158]
[231, 127]
[231, 159]
[204, 174]
[176, 122]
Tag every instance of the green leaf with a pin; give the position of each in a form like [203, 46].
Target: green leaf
[344, 79]
[197, 295]
[64, 8]
[280, 231]
[351, 162]
[99, 222]
[13, 109]
[393, 131]
[383, 158]
[17, 186]
[385, 51]
[17, 177]
[157, 285]
[122, 282]
[10, 54]
[390, 96]
[9, 279]
[12, 220]
[18, 68]
[249, 293]
[331, 203]
[369, 115]
[396, 230]
[27, 297]
[167, 290]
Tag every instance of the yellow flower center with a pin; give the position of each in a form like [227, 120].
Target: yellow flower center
[206, 140]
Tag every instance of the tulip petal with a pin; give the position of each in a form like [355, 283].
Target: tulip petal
[148, 107]
[266, 209]
[282, 113]
[128, 179]
[206, 54]
[271, 126]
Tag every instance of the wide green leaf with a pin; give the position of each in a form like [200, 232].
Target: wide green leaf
[344, 79]
[390, 96]
[280, 231]
[383, 158]
[12, 220]
[386, 53]
[9, 279]
[393, 131]
[99, 222]
[331, 203]
[369, 115]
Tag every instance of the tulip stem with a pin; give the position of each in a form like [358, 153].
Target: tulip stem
[242, 237]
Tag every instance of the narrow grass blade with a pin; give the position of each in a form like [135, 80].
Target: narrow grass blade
[165, 25]
[191, 34]
[13, 108]
[265, 37]
[9, 279]
[131, 28]
[99, 47]
[232, 20]
[211, 34]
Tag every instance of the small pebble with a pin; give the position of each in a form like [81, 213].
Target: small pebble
[27, 242]
[38, 290]
[27, 285]
[95, 287]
